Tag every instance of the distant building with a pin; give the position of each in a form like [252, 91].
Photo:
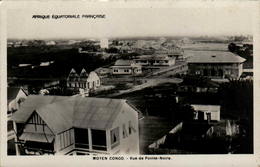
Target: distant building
[64, 125]
[24, 65]
[47, 63]
[104, 43]
[126, 67]
[87, 81]
[50, 43]
[207, 112]
[176, 52]
[155, 60]
[216, 64]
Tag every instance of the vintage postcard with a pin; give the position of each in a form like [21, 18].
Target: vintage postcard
[159, 83]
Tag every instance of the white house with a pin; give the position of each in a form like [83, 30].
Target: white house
[63, 125]
[87, 81]
[211, 112]
[126, 67]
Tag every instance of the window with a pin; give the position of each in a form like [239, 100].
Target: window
[81, 138]
[130, 128]
[114, 137]
[115, 70]
[10, 126]
[124, 131]
[65, 139]
[99, 141]
[126, 70]
[197, 72]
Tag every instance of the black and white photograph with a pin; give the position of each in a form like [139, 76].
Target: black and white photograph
[130, 81]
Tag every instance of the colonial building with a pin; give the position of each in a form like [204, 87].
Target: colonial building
[215, 64]
[126, 67]
[155, 60]
[64, 125]
[87, 81]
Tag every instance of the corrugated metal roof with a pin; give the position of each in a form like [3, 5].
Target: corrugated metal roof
[32, 103]
[62, 113]
[214, 57]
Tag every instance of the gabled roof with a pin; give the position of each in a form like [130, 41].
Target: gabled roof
[12, 93]
[214, 57]
[61, 113]
[83, 73]
[73, 74]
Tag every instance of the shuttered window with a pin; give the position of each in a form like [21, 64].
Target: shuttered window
[114, 137]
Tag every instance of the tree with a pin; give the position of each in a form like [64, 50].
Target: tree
[232, 47]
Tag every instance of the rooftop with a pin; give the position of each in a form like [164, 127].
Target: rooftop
[121, 62]
[214, 57]
[154, 57]
[205, 107]
[12, 92]
[64, 112]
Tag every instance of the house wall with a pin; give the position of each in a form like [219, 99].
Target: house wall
[138, 70]
[129, 144]
[216, 70]
[240, 69]
[66, 139]
[121, 70]
[153, 62]
[214, 110]
[127, 70]
[94, 80]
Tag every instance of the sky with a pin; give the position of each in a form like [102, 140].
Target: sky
[131, 22]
